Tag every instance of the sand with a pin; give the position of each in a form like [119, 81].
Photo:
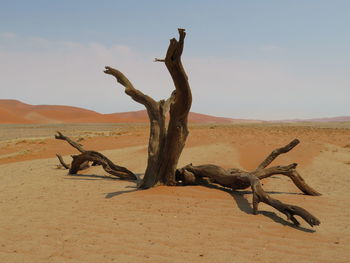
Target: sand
[17, 112]
[47, 216]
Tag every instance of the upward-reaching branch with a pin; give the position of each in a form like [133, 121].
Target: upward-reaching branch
[78, 146]
[150, 104]
[177, 130]
[275, 153]
[183, 98]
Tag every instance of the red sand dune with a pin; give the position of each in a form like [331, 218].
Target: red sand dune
[329, 119]
[13, 111]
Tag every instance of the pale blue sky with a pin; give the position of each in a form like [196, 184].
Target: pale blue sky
[245, 59]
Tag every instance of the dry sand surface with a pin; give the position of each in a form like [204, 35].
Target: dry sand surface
[47, 216]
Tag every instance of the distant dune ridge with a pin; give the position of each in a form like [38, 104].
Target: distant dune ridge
[17, 112]
[331, 119]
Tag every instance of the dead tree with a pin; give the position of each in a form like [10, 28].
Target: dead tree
[165, 143]
[81, 161]
[236, 179]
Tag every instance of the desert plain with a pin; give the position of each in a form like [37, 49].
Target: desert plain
[49, 216]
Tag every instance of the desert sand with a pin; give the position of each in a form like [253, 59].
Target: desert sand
[48, 216]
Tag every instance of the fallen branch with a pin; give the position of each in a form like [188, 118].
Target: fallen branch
[259, 195]
[63, 164]
[275, 153]
[100, 159]
[81, 161]
[76, 145]
[237, 179]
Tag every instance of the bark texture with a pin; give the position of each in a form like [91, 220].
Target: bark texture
[237, 179]
[165, 143]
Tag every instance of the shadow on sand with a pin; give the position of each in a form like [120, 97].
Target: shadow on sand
[98, 177]
[242, 203]
[94, 177]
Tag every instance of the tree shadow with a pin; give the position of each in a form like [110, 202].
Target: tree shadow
[285, 193]
[245, 206]
[94, 177]
[117, 193]
[284, 222]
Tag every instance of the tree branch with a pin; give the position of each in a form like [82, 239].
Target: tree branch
[60, 159]
[289, 171]
[99, 158]
[183, 99]
[239, 179]
[275, 153]
[259, 195]
[159, 60]
[78, 146]
[150, 104]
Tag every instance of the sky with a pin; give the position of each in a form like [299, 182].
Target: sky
[270, 60]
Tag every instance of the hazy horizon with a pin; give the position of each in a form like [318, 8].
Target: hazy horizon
[268, 60]
[212, 115]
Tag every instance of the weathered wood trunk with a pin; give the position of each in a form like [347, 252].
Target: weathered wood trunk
[165, 144]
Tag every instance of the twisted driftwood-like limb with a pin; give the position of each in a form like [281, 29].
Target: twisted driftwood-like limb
[81, 161]
[100, 159]
[238, 179]
[165, 144]
[60, 159]
[259, 195]
[78, 146]
[65, 165]
[292, 173]
[275, 153]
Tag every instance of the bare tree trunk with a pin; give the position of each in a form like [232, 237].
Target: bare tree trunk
[165, 145]
[179, 110]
